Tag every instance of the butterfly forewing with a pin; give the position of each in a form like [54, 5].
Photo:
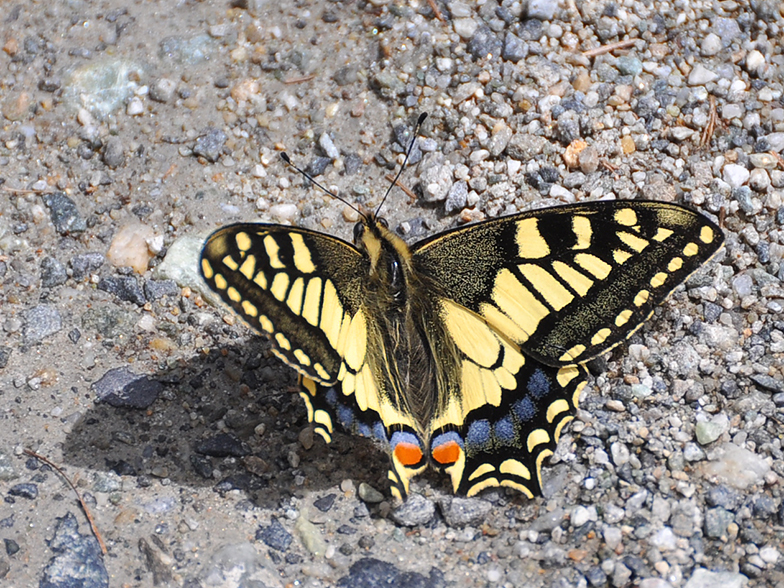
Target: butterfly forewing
[567, 283]
[298, 287]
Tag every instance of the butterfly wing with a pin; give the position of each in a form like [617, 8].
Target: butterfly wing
[568, 283]
[526, 300]
[306, 292]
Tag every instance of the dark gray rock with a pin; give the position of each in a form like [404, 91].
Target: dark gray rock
[78, 562]
[84, 264]
[223, 445]
[121, 387]
[369, 572]
[157, 289]
[274, 535]
[461, 512]
[52, 273]
[124, 287]
[515, 48]
[27, 490]
[484, 43]
[65, 216]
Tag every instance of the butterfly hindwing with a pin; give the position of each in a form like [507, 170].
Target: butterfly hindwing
[569, 282]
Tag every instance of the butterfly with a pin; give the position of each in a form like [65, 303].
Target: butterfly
[466, 351]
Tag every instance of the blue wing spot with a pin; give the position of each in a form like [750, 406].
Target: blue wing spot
[448, 437]
[478, 434]
[505, 431]
[524, 409]
[345, 416]
[538, 384]
[363, 430]
[380, 431]
[331, 396]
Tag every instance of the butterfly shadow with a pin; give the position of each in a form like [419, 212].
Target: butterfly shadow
[230, 419]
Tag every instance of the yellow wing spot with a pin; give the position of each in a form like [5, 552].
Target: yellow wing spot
[280, 285]
[310, 308]
[343, 334]
[266, 324]
[515, 468]
[600, 336]
[319, 369]
[324, 435]
[272, 249]
[206, 269]
[220, 282]
[621, 256]
[479, 387]
[662, 234]
[356, 344]
[294, 301]
[249, 308]
[658, 279]
[233, 294]
[690, 250]
[543, 454]
[556, 407]
[580, 283]
[331, 313]
[581, 225]
[248, 267]
[308, 403]
[229, 262]
[502, 323]
[706, 235]
[566, 375]
[518, 302]
[505, 378]
[513, 360]
[368, 393]
[576, 396]
[623, 317]
[626, 217]
[322, 418]
[470, 333]
[479, 486]
[302, 357]
[593, 265]
[530, 243]
[310, 386]
[561, 424]
[349, 384]
[342, 371]
[282, 342]
[537, 437]
[481, 471]
[261, 280]
[517, 486]
[302, 259]
[641, 298]
[554, 293]
[243, 241]
[675, 264]
[633, 241]
[573, 353]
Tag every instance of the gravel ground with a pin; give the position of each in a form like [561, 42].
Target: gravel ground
[131, 130]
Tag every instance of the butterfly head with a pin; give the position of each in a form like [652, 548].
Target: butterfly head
[388, 254]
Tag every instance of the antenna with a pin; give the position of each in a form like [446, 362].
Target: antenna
[284, 156]
[419, 122]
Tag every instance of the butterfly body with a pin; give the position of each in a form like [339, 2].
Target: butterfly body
[466, 351]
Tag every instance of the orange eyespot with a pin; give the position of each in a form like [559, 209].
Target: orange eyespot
[446, 453]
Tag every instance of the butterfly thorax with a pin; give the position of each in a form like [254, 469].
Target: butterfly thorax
[396, 295]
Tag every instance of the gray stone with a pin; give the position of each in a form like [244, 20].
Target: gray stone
[416, 510]
[78, 560]
[210, 144]
[515, 49]
[461, 512]
[84, 264]
[114, 153]
[64, 214]
[716, 522]
[274, 535]
[40, 322]
[53, 273]
[120, 387]
[457, 198]
[162, 90]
